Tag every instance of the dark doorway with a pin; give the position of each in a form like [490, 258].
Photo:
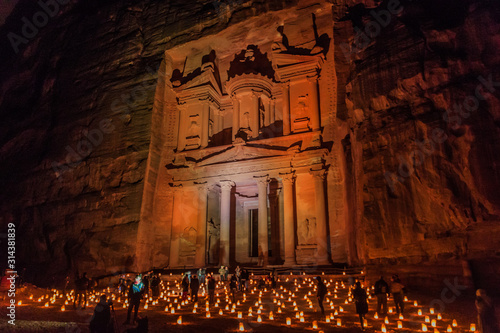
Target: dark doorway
[253, 218]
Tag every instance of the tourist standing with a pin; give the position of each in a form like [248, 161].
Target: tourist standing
[237, 271]
[322, 291]
[201, 275]
[244, 278]
[381, 289]
[155, 286]
[101, 317]
[359, 295]
[146, 281]
[211, 289]
[397, 293]
[486, 318]
[82, 285]
[185, 287]
[194, 285]
[221, 273]
[233, 284]
[135, 294]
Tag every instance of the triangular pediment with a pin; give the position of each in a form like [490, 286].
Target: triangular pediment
[205, 78]
[285, 59]
[241, 153]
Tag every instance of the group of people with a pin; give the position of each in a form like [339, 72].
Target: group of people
[396, 288]
[239, 281]
[360, 296]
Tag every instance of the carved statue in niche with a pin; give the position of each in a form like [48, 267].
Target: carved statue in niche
[301, 114]
[193, 130]
[245, 123]
[213, 241]
[262, 113]
[307, 234]
[301, 110]
[188, 242]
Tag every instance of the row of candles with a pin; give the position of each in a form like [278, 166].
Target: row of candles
[280, 297]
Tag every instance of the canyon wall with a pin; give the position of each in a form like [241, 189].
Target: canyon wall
[417, 118]
[418, 102]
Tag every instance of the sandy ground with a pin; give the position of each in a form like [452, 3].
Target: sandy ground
[33, 316]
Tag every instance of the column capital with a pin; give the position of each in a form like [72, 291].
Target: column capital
[313, 78]
[288, 178]
[285, 85]
[318, 174]
[226, 185]
[262, 180]
[202, 185]
[175, 187]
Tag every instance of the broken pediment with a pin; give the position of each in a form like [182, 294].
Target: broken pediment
[241, 153]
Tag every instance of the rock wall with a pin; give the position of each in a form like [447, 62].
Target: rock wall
[76, 121]
[75, 130]
[420, 109]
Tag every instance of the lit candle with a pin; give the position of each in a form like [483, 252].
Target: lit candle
[386, 320]
[427, 319]
[315, 325]
[179, 320]
[208, 313]
[424, 328]
[241, 327]
[327, 319]
[288, 321]
[339, 322]
[439, 316]
[472, 327]
[383, 329]
[449, 329]
[400, 324]
[454, 323]
[433, 322]
[419, 312]
[259, 319]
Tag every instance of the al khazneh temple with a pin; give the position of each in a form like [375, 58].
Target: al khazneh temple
[247, 170]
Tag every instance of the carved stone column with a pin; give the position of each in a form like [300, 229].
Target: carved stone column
[175, 235]
[321, 230]
[272, 110]
[255, 114]
[263, 228]
[288, 215]
[225, 215]
[315, 112]
[201, 232]
[205, 117]
[286, 108]
[236, 116]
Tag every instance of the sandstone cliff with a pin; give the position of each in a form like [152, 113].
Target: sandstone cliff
[417, 115]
